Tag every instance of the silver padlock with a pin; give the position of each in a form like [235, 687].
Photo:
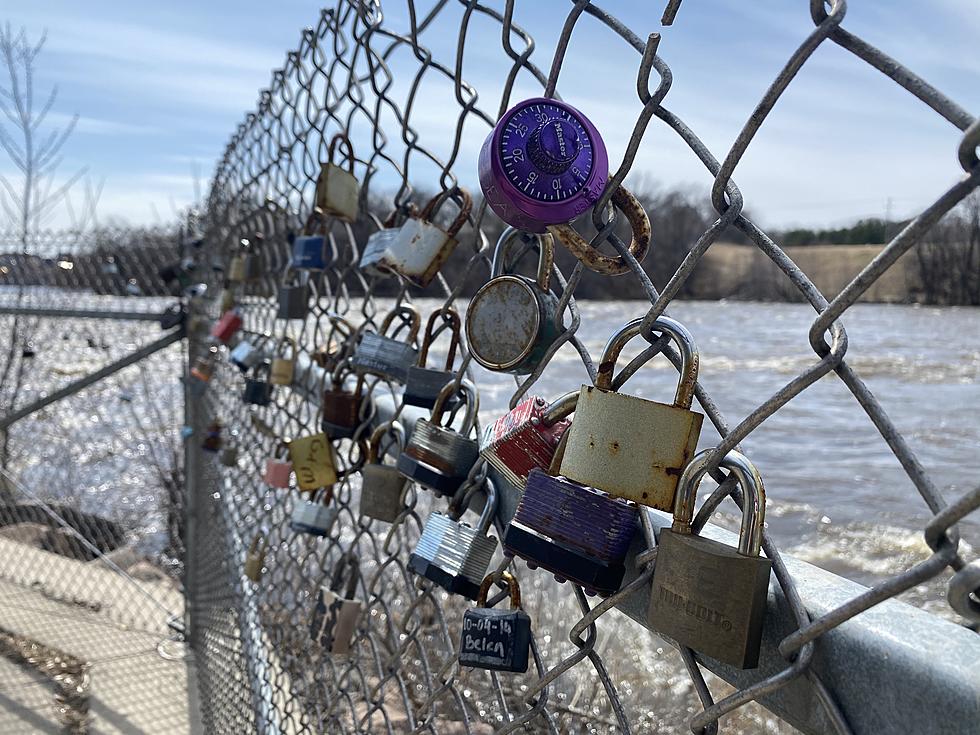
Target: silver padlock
[422, 247]
[439, 457]
[294, 295]
[383, 355]
[314, 516]
[379, 243]
[383, 487]
[423, 384]
[453, 554]
[337, 189]
[245, 356]
[335, 617]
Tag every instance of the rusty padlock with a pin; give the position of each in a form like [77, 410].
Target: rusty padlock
[383, 487]
[705, 595]
[337, 189]
[382, 354]
[341, 408]
[630, 447]
[423, 384]
[255, 558]
[335, 617]
[283, 367]
[380, 241]
[422, 247]
[513, 320]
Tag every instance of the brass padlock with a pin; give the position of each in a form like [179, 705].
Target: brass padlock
[512, 321]
[281, 372]
[422, 384]
[335, 618]
[630, 447]
[383, 487]
[313, 462]
[338, 190]
[236, 268]
[255, 558]
[705, 595]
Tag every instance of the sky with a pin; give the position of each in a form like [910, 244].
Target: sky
[160, 87]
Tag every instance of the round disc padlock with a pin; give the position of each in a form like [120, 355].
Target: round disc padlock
[543, 164]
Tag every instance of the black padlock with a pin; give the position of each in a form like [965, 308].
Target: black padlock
[258, 389]
[493, 638]
[294, 295]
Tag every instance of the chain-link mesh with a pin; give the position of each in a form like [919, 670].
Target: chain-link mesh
[356, 74]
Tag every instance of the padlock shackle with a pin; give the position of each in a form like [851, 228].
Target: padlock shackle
[560, 408]
[303, 277]
[340, 373]
[690, 359]
[753, 497]
[546, 255]
[341, 139]
[282, 341]
[436, 202]
[472, 405]
[450, 317]
[508, 580]
[409, 210]
[348, 560]
[489, 508]
[374, 444]
[406, 313]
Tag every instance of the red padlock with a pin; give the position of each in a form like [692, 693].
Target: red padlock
[278, 469]
[527, 437]
[226, 327]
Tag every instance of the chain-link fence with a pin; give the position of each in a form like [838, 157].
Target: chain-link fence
[389, 86]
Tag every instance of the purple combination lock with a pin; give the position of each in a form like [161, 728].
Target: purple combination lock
[574, 531]
[543, 164]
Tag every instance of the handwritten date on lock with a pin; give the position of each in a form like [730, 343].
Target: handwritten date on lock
[313, 463]
[495, 639]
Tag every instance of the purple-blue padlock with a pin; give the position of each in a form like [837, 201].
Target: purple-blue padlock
[543, 164]
[308, 252]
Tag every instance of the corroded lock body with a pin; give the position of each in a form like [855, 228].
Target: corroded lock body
[283, 365]
[227, 326]
[294, 295]
[341, 408]
[543, 163]
[383, 487]
[255, 558]
[578, 533]
[705, 595]
[493, 638]
[335, 618]
[379, 243]
[338, 189]
[245, 356]
[513, 320]
[258, 390]
[278, 469]
[453, 554]
[385, 356]
[423, 384]
[422, 247]
[314, 517]
[313, 462]
[527, 437]
[631, 447]
[439, 457]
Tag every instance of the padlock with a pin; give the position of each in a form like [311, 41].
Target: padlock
[204, 366]
[453, 554]
[308, 252]
[577, 533]
[631, 447]
[337, 189]
[385, 356]
[245, 356]
[283, 367]
[705, 595]
[294, 295]
[492, 638]
[439, 457]
[338, 346]
[229, 456]
[383, 487]
[335, 618]
[313, 462]
[422, 247]
[315, 516]
[253, 261]
[226, 301]
[258, 390]
[227, 326]
[422, 384]
[543, 163]
[278, 468]
[341, 408]
[255, 558]
[513, 320]
[212, 437]
[380, 241]
[236, 268]
[527, 437]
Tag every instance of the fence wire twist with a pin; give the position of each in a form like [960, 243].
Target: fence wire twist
[353, 73]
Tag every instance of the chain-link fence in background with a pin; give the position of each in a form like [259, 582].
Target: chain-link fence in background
[836, 657]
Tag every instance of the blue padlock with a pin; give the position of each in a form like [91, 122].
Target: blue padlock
[308, 252]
